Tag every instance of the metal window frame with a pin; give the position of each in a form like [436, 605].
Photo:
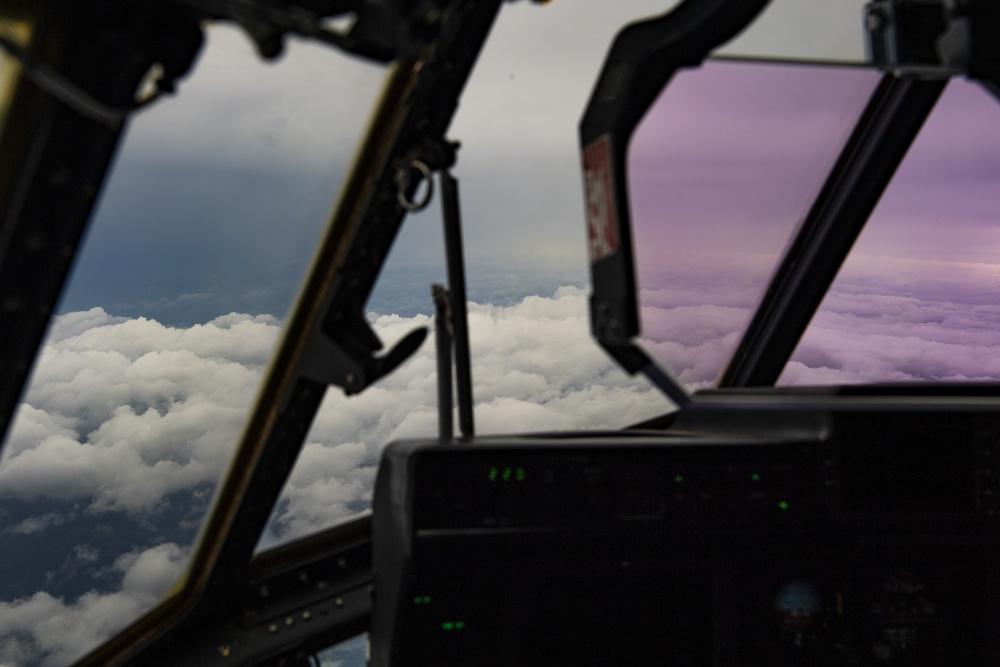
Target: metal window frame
[643, 58]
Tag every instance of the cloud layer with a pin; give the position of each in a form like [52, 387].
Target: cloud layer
[48, 631]
[126, 416]
[890, 319]
[885, 319]
[535, 368]
[123, 412]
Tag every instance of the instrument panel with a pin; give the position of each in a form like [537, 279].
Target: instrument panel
[862, 538]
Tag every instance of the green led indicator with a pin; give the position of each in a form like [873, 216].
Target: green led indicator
[783, 505]
[678, 478]
[507, 474]
[447, 625]
[422, 599]
[459, 625]
[755, 477]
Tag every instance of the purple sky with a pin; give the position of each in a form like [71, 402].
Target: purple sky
[723, 169]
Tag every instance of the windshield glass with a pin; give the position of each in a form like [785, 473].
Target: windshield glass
[916, 298]
[177, 299]
[535, 366]
[203, 232]
[722, 170]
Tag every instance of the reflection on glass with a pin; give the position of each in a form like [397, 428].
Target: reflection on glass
[351, 653]
[722, 170]
[916, 298]
[19, 33]
[202, 236]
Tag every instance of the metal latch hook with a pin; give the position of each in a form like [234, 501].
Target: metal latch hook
[403, 184]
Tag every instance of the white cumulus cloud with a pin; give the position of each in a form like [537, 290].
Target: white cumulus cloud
[121, 413]
[49, 631]
[535, 368]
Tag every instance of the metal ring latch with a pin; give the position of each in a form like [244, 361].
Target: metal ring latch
[403, 183]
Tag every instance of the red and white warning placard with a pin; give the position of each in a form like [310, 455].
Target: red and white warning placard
[602, 224]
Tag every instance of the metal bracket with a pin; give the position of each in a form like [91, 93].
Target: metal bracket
[326, 360]
[935, 37]
[406, 187]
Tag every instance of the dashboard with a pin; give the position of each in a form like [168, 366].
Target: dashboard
[859, 534]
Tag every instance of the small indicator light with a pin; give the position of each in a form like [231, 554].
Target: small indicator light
[783, 505]
[678, 478]
[755, 476]
[459, 625]
[417, 600]
[519, 474]
[447, 625]
[507, 473]
[427, 599]
[494, 473]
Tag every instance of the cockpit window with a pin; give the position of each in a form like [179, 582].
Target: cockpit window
[178, 297]
[722, 170]
[140, 393]
[916, 298]
[535, 366]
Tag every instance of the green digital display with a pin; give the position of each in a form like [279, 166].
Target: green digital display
[507, 474]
